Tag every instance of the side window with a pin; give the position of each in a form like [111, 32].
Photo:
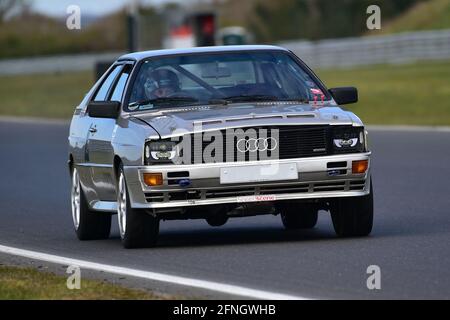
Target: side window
[104, 88]
[120, 84]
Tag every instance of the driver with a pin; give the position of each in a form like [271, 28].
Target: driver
[161, 83]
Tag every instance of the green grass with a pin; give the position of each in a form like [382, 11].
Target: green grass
[428, 15]
[416, 94]
[27, 283]
[43, 95]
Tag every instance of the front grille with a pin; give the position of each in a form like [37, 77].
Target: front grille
[204, 194]
[293, 142]
[298, 142]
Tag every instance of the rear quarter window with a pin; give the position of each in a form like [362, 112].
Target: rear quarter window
[102, 92]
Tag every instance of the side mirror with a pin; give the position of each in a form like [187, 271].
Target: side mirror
[104, 109]
[344, 95]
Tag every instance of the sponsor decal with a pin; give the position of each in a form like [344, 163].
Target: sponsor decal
[257, 198]
[317, 93]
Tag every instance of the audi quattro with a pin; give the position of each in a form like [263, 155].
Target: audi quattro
[215, 133]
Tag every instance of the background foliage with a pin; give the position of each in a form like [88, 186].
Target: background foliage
[26, 33]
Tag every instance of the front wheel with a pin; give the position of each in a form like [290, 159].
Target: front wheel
[89, 225]
[353, 217]
[137, 228]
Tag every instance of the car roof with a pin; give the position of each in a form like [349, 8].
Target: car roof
[164, 52]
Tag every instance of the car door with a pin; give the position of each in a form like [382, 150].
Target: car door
[99, 149]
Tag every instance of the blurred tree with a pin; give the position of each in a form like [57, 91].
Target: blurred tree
[272, 21]
[8, 7]
[151, 28]
[32, 34]
[27, 33]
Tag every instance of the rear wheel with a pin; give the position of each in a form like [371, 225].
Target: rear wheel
[89, 225]
[137, 228]
[298, 216]
[353, 217]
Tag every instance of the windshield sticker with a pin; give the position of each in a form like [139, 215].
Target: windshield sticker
[317, 93]
[146, 106]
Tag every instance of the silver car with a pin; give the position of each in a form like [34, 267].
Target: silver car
[214, 133]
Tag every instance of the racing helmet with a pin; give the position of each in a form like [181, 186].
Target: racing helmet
[161, 79]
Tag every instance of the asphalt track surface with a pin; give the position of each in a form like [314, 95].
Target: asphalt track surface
[410, 241]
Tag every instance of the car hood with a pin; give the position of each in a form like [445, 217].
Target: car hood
[183, 120]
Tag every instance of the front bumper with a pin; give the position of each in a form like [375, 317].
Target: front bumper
[315, 181]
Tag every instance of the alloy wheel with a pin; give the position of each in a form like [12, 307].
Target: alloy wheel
[76, 198]
[122, 205]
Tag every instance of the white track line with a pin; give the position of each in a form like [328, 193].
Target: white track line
[190, 282]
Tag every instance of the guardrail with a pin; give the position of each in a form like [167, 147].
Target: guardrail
[54, 64]
[390, 49]
[345, 52]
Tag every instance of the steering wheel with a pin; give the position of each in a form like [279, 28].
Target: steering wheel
[179, 94]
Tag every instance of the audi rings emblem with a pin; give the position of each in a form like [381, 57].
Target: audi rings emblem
[256, 144]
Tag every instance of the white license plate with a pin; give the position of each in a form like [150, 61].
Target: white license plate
[258, 198]
[259, 173]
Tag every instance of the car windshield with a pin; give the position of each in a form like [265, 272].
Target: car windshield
[221, 78]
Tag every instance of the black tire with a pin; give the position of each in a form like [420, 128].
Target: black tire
[217, 220]
[92, 225]
[298, 216]
[353, 217]
[141, 229]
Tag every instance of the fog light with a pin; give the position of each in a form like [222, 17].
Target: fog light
[153, 179]
[360, 166]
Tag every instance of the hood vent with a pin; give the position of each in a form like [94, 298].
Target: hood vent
[208, 122]
[300, 115]
[254, 117]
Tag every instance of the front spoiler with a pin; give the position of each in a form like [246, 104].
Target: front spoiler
[312, 183]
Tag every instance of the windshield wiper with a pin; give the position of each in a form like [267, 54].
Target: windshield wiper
[257, 98]
[301, 100]
[246, 98]
[162, 100]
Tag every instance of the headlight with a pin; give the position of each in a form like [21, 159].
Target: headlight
[348, 139]
[159, 151]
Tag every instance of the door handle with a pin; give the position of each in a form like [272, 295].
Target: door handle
[93, 130]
